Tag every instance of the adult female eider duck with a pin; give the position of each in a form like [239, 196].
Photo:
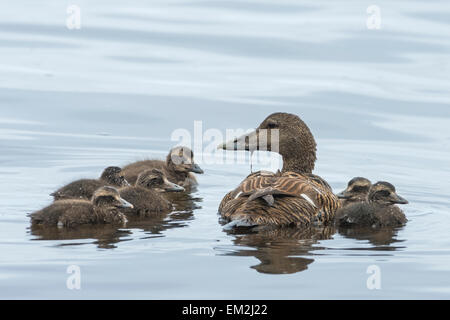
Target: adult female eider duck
[292, 197]
[356, 191]
[145, 195]
[85, 188]
[103, 208]
[379, 210]
[178, 167]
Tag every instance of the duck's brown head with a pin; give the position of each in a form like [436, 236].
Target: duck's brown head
[284, 133]
[109, 197]
[181, 160]
[156, 179]
[357, 190]
[114, 177]
[384, 193]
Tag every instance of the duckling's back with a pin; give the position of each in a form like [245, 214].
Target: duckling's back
[80, 189]
[145, 201]
[64, 212]
[132, 171]
[370, 214]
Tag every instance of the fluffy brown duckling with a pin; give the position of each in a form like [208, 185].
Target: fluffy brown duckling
[292, 197]
[85, 188]
[103, 208]
[178, 167]
[356, 191]
[379, 210]
[145, 194]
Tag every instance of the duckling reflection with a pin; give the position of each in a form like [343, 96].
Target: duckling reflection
[109, 236]
[183, 201]
[104, 236]
[382, 239]
[280, 250]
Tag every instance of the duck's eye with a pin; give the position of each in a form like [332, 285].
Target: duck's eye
[272, 125]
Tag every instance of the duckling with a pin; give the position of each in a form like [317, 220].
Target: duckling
[379, 210]
[178, 167]
[85, 188]
[294, 196]
[145, 195]
[103, 208]
[356, 191]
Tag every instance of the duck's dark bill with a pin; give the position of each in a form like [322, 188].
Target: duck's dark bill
[248, 142]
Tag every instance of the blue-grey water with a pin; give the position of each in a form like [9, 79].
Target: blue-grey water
[73, 101]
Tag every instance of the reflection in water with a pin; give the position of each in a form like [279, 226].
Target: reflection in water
[285, 250]
[380, 238]
[280, 250]
[107, 235]
[183, 201]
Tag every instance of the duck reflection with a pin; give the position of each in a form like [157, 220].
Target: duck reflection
[280, 250]
[107, 236]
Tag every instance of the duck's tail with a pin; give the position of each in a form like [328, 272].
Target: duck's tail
[238, 223]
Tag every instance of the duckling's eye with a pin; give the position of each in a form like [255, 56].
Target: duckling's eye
[359, 189]
[384, 193]
[154, 182]
[106, 199]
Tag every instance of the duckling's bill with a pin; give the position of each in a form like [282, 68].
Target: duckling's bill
[172, 187]
[125, 204]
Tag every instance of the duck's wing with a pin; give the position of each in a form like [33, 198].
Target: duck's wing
[312, 178]
[281, 199]
[246, 184]
[285, 212]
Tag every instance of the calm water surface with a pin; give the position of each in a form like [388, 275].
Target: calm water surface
[75, 101]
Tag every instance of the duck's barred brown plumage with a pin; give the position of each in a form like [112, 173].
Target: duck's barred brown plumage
[298, 199]
[294, 196]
